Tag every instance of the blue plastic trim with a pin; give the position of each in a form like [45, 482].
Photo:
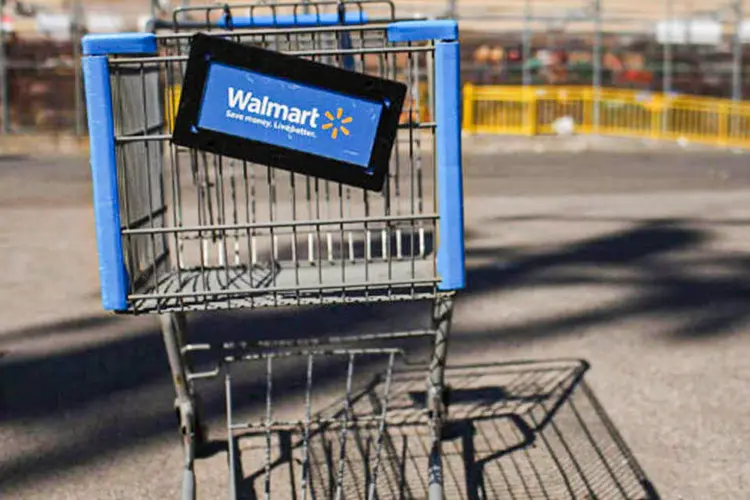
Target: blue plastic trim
[292, 20]
[120, 43]
[421, 31]
[451, 264]
[112, 272]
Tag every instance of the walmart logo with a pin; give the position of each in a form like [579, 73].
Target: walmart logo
[245, 106]
[337, 123]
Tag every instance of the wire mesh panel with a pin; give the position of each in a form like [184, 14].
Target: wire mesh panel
[334, 453]
[518, 430]
[525, 430]
[238, 234]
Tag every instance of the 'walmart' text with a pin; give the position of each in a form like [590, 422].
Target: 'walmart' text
[265, 107]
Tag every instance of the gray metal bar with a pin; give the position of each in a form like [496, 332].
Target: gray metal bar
[345, 428]
[597, 62]
[381, 430]
[78, 83]
[173, 326]
[452, 9]
[268, 426]
[173, 331]
[441, 318]
[317, 352]
[345, 340]
[231, 448]
[122, 139]
[329, 52]
[240, 32]
[275, 290]
[526, 43]
[737, 52]
[667, 53]
[277, 224]
[667, 63]
[4, 100]
[304, 478]
[296, 424]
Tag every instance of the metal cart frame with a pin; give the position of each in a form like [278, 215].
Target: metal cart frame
[145, 239]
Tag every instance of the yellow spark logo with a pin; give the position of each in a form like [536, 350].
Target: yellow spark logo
[336, 124]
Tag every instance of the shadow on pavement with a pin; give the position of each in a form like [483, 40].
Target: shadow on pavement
[516, 430]
[85, 384]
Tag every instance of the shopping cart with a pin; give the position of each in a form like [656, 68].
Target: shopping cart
[180, 230]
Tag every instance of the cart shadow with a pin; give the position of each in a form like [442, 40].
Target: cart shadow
[84, 382]
[81, 376]
[523, 430]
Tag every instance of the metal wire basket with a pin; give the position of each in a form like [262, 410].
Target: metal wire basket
[180, 230]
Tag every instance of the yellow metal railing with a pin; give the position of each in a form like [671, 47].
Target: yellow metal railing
[534, 110]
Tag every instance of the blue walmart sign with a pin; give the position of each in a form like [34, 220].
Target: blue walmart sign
[272, 110]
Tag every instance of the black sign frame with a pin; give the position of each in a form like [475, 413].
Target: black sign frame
[207, 49]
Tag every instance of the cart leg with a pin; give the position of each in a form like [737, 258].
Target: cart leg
[441, 323]
[234, 467]
[173, 328]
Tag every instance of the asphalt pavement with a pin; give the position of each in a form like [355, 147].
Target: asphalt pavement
[634, 259]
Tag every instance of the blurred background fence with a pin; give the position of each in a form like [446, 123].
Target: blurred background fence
[541, 110]
[40, 71]
[685, 46]
[520, 55]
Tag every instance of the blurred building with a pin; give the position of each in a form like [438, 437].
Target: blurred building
[549, 42]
